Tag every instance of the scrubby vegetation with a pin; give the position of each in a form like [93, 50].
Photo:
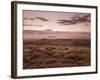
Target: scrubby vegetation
[54, 55]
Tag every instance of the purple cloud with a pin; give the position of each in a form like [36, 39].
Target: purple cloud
[75, 20]
[41, 18]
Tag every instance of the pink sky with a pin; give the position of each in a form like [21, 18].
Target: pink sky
[43, 20]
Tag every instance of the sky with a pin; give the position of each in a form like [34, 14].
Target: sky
[56, 21]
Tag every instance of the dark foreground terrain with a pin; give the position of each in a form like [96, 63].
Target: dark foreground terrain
[46, 53]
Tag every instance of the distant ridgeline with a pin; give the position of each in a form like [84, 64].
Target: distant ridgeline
[69, 42]
[47, 34]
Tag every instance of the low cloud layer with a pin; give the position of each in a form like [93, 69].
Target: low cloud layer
[36, 18]
[31, 25]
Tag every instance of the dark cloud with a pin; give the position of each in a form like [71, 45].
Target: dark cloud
[88, 17]
[75, 20]
[41, 18]
[32, 19]
[26, 18]
[66, 22]
[78, 19]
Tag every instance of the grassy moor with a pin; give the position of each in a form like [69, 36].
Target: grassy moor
[46, 53]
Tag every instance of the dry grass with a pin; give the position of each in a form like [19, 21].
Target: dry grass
[48, 56]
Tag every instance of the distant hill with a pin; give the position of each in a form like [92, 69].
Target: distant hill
[49, 34]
